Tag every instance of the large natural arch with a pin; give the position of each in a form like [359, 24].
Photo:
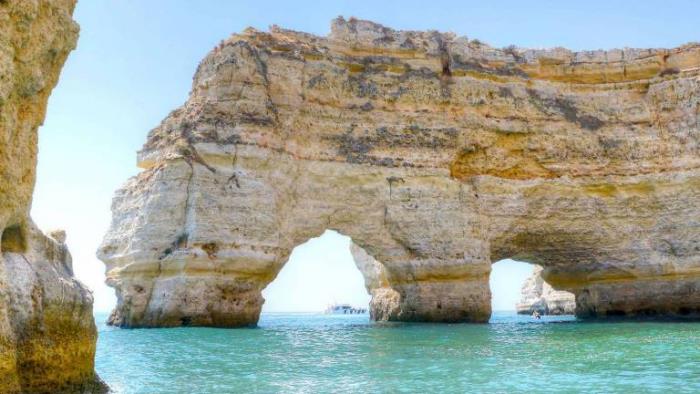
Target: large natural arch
[437, 155]
[193, 272]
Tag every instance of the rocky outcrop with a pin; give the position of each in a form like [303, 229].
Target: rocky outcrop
[437, 155]
[385, 300]
[538, 295]
[47, 332]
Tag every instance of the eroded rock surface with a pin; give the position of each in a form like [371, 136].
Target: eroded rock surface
[538, 295]
[437, 155]
[47, 332]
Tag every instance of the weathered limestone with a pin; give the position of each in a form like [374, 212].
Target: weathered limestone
[437, 155]
[538, 295]
[384, 304]
[47, 332]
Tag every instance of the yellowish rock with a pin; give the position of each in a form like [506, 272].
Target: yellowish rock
[437, 155]
[47, 332]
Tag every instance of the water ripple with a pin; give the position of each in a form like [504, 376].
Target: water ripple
[301, 353]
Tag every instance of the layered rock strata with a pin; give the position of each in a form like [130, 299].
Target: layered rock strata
[537, 295]
[437, 155]
[47, 332]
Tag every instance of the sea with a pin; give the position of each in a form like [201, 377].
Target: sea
[316, 353]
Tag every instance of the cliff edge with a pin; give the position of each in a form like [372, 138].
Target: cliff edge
[47, 331]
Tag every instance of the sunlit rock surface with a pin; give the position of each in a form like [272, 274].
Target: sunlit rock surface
[384, 304]
[538, 295]
[47, 332]
[437, 155]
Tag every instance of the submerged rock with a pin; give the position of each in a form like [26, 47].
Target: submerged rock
[437, 155]
[47, 331]
[538, 295]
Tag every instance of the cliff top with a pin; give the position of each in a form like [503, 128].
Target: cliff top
[371, 37]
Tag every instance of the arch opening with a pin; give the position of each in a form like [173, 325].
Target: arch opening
[519, 287]
[319, 273]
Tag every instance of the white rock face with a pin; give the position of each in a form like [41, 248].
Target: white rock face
[385, 300]
[538, 295]
[436, 155]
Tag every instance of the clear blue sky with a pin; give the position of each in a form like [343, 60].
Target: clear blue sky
[135, 61]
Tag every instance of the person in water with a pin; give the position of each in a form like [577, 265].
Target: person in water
[536, 315]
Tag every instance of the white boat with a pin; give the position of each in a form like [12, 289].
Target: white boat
[344, 309]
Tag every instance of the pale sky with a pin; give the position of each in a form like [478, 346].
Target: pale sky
[134, 64]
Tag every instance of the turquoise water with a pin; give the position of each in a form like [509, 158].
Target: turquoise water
[304, 353]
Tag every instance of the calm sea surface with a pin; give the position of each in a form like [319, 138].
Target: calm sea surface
[307, 353]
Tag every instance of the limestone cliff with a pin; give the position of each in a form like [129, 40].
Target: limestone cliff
[437, 155]
[47, 332]
[538, 295]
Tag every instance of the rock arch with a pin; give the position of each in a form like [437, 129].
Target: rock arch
[214, 251]
[437, 155]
